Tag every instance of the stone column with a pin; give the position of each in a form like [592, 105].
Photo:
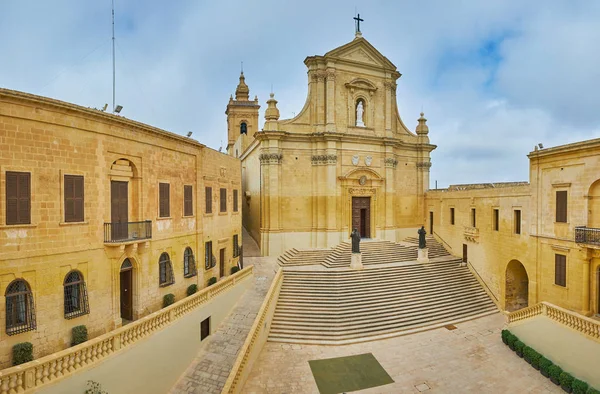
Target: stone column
[330, 97]
[585, 302]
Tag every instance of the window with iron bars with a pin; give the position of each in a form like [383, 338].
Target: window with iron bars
[236, 246]
[76, 298]
[189, 263]
[165, 270]
[20, 311]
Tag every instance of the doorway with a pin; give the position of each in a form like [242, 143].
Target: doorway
[221, 262]
[126, 285]
[118, 210]
[517, 286]
[205, 328]
[431, 223]
[361, 216]
[598, 290]
[464, 259]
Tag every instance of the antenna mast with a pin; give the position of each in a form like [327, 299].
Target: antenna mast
[113, 56]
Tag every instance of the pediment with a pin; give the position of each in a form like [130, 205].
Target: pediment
[361, 83]
[361, 51]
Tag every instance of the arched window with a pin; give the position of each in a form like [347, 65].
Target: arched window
[243, 128]
[20, 311]
[165, 271]
[189, 263]
[76, 299]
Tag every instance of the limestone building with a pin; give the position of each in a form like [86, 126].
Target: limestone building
[101, 217]
[345, 161]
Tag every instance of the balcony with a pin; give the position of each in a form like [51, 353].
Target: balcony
[587, 235]
[117, 233]
[471, 234]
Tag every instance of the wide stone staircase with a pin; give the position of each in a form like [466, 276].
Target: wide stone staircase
[339, 306]
[295, 257]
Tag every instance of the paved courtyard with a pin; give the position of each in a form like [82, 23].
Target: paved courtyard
[469, 359]
[211, 367]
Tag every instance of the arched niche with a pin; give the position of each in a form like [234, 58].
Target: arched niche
[516, 293]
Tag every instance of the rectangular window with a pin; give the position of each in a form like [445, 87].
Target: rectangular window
[496, 219]
[452, 216]
[236, 246]
[561, 206]
[73, 198]
[164, 200]
[208, 259]
[188, 200]
[18, 197]
[473, 218]
[223, 200]
[517, 221]
[235, 200]
[208, 194]
[560, 270]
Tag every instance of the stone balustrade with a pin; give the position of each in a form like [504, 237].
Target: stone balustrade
[37, 373]
[256, 338]
[582, 324]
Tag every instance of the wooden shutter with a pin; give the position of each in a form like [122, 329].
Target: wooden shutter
[164, 200]
[208, 193]
[560, 269]
[223, 200]
[517, 221]
[235, 200]
[561, 206]
[74, 200]
[18, 198]
[451, 215]
[188, 207]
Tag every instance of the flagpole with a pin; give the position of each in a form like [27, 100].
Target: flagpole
[113, 56]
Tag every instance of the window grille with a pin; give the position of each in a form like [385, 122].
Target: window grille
[76, 298]
[189, 263]
[20, 311]
[208, 257]
[165, 270]
[236, 246]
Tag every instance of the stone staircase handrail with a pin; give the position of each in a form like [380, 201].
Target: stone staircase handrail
[580, 323]
[239, 372]
[31, 376]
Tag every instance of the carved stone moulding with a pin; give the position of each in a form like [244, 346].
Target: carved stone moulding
[323, 159]
[361, 190]
[424, 164]
[391, 162]
[270, 158]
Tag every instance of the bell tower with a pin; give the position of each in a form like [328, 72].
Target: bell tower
[242, 119]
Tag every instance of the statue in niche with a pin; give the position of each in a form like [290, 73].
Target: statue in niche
[355, 241]
[422, 233]
[360, 109]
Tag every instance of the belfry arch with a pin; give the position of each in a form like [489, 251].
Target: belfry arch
[516, 295]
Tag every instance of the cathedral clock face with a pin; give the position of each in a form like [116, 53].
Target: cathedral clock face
[362, 180]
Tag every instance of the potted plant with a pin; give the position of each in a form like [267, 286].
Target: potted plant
[511, 341]
[212, 281]
[22, 353]
[168, 299]
[527, 354]
[535, 359]
[545, 365]
[554, 372]
[505, 334]
[191, 289]
[79, 334]
[518, 345]
[566, 380]
[234, 269]
[579, 387]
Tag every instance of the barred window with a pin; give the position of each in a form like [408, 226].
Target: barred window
[209, 259]
[235, 200]
[165, 270]
[189, 263]
[76, 299]
[236, 246]
[20, 311]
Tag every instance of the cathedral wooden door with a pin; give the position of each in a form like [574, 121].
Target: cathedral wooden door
[361, 215]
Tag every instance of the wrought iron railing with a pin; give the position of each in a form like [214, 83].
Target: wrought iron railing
[586, 235]
[127, 231]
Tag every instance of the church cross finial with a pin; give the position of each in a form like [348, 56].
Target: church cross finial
[358, 20]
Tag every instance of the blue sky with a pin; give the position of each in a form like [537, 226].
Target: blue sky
[494, 78]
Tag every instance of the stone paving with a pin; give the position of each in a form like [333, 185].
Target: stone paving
[210, 369]
[469, 359]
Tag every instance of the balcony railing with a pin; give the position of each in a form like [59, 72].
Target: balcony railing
[471, 234]
[127, 231]
[586, 235]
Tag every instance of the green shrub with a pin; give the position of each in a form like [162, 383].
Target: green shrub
[592, 390]
[505, 334]
[545, 365]
[212, 281]
[79, 335]
[22, 353]
[511, 341]
[554, 372]
[579, 386]
[191, 289]
[518, 345]
[566, 380]
[527, 354]
[168, 299]
[535, 359]
[234, 269]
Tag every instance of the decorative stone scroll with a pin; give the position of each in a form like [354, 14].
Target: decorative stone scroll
[361, 190]
[323, 159]
[391, 162]
[425, 164]
[270, 158]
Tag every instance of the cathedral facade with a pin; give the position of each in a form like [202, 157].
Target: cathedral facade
[345, 161]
